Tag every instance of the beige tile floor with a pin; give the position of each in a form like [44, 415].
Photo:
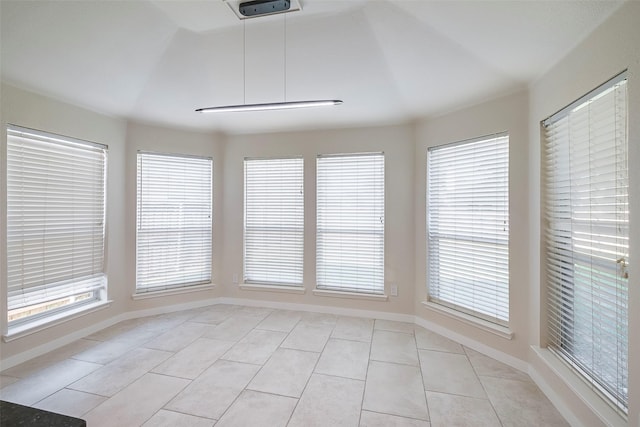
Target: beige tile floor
[228, 365]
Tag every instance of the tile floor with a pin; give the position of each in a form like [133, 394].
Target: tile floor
[228, 365]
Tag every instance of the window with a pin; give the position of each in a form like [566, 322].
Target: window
[587, 237]
[468, 227]
[173, 221]
[273, 221]
[350, 223]
[55, 225]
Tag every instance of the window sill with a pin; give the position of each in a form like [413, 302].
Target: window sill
[350, 295]
[43, 323]
[600, 407]
[501, 331]
[172, 291]
[273, 288]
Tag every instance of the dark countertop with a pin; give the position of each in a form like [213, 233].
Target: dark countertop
[12, 414]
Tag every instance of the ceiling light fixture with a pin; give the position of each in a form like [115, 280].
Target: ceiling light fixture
[254, 9]
[271, 106]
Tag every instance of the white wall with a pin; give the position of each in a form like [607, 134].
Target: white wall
[397, 144]
[612, 48]
[508, 114]
[141, 137]
[38, 112]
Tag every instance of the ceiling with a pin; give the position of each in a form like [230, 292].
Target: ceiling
[391, 61]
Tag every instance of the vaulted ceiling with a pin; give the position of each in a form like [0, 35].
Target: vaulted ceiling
[389, 60]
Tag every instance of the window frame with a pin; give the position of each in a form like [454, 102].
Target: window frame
[200, 283]
[93, 284]
[377, 248]
[561, 289]
[253, 275]
[466, 306]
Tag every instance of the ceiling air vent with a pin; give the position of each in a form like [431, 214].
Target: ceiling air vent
[257, 8]
[263, 7]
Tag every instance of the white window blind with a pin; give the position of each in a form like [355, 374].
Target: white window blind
[273, 221]
[350, 223]
[587, 237]
[174, 225]
[55, 223]
[468, 227]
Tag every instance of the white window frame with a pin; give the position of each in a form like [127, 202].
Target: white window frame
[174, 207]
[586, 236]
[468, 229]
[59, 274]
[350, 194]
[274, 221]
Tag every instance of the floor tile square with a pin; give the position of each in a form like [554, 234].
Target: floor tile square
[105, 352]
[395, 389]
[234, 328]
[427, 340]
[344, 358]
[36, 364]
[137, 403]
[214, 391]
[450, 373]
[521, 403]
[215, 314]
[280, 321]
[177, 338]
[47, 381]
[329, 401]
[70, 402]
[258, 410]
[375, 419]
[256, 347]
[164, 418]
[396, 347]
[452, 410]
[111, 378]
[194, 358]
[308, 336]
[354, 329]
[486, 366]
[394, 326]
[286, 373]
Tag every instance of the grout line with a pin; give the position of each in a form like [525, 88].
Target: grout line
[366, 375]
[313, 371]
[230, 313]
[426, 401]
[482, 385]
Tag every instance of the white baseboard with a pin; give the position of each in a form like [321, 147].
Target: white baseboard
[505, 358]
[55, 344]
[339, 311]
[601, 412]
[555, 398]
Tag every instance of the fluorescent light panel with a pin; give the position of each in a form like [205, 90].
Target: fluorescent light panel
[270, 106]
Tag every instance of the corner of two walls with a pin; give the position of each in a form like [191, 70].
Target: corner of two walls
[508, 113]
